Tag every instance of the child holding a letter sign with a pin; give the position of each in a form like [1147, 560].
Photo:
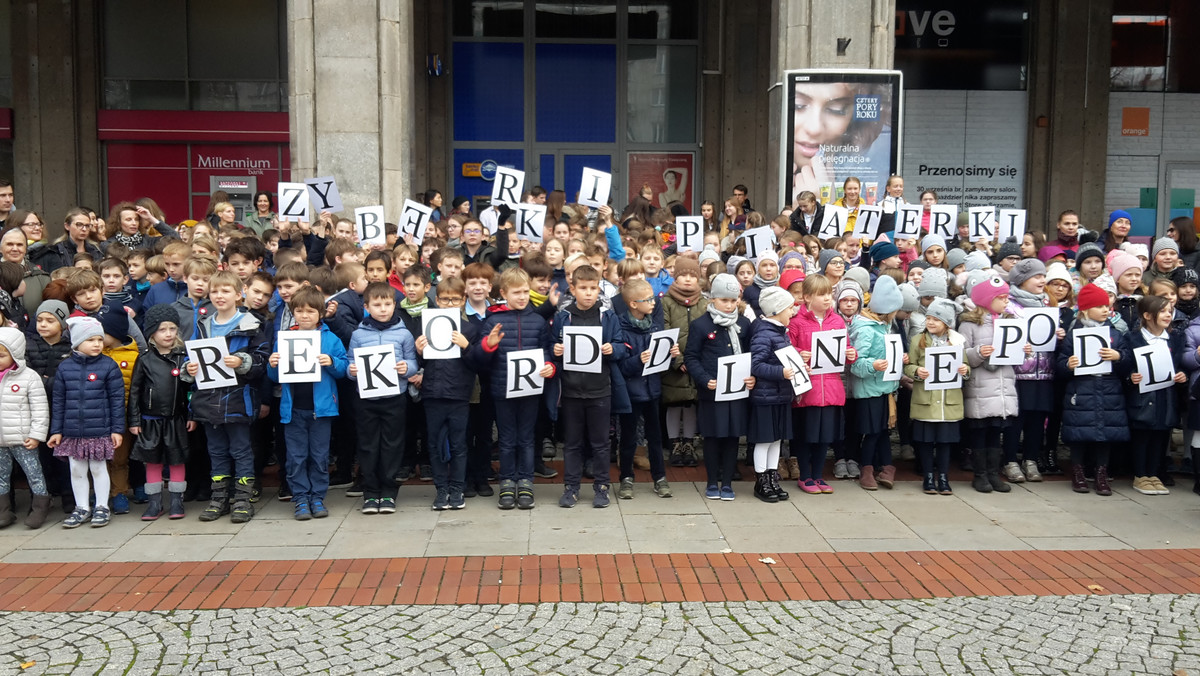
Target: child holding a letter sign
[1152, 414]
[1094, 404]
[1035, 376]
[935, 414]
[720, 332]
[307, 408]
[681, 306]
[771, 399]
[638, 326]
[873, 396]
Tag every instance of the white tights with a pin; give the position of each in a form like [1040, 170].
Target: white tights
[766, 456]
[79, 480]
[678, 416]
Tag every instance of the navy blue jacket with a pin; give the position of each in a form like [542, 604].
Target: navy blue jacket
[236, 403]
[1157, 410]
[1094, 406]
[348, 316]
[167, 291]
[89, 398]
[610, 333]
[523, 330]
[770, 388]
[452, 379]
[707, 343]
[640, 388]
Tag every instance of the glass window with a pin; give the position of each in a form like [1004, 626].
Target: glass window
[661, 101]
[595, 19]
[942, 45]
[5, 57]
[146, 94]
[488, 19]
[145, 39]
[233, 40]
[1139, 52]
[663, 19]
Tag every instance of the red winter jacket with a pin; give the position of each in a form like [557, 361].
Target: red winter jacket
[827, 389]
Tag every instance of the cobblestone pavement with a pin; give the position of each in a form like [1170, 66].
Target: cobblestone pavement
[1157, 634]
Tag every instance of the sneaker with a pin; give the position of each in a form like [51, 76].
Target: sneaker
[1031, 471]
[525, 494]
[457, 501]
[1013, 473]
[441, 501]
[1159, 487]
[100, 517]
[625, 491]
[825, 488]
[712, 492]
[662, 488]
[688, 451]
[727, 493]
[426, 472]
[484, 489]
[508, 494]
[120, 504]
[404, 475]
[676, 458]
[77, 518]
[355, 490]
[338, 481]
[302, 512]
[1144, 485]
[256, 492]
[569, 498]
[809, 486]
[853, 471]
[139, 495]
[548, 449]
[387, 505]
[318, 509]
[370, 506]
[285, 494]
[544, 472]
[840, 470]
[600, 499]
[469, 490]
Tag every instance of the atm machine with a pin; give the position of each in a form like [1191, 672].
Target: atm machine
[240, 189]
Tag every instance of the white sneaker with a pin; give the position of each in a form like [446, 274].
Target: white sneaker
[840, 471]
[1144, 485]
[1031, 471]
[852, 469]
[1159, 487]
[1012, 472]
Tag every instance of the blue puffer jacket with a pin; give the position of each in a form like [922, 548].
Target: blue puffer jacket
[1157, 410]
[640, 388]
[236, 403]
[396, 334]
[523, 330]
[89, 398]
[1093, 406]
[325, 396]
[707, 343]
[452, 379]
[770, 388]
[166, 291]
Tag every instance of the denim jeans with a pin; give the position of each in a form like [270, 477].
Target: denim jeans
[308, 455]
[446, 429]
[229, 450]
[515, 422]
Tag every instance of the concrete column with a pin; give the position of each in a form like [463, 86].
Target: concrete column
[57, 154]
[350, 98]
[1068, 98]
[806, 35]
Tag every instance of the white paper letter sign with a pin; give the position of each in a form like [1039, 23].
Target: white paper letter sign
[521, 375]
[1008, 340]
[732, 372]
[661, 343]
[581, 348]
[414, 219]
[828, 352]
[1087, 347]
[529, 221]
[1042, 330]
[368, 221]
[298, 353]
[438, 327]
[908, 221]
[1012, 224]
[293, 201]
[943, 220]
[833, 222]
[1155, 366]
[894, 354]
[866, 226]
[790, 358]
[595, 187]
[689, 233]
[210, 354]
[982, 221]
[942, 364]
[758, 241]
[324, 193]
[377, 375]
[507, 186]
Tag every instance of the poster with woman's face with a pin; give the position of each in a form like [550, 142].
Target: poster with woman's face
[666, 176]
[840, 124]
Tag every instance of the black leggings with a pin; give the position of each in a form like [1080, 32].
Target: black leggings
[1094, 451]
[989, 436]
[720, 459]
[1148, 447]
[935, 458]
[1033, 434]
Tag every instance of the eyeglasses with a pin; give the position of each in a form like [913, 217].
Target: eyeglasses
[472, 231]
[450, 299]
[651, 299]
[35, 224]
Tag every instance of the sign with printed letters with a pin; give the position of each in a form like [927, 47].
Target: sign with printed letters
[1008, 341]
[414, 219]
[982, 223]
[833, 222]
[298, 354]
[1012, 225]
[377, 377]
[581, 348]
[828, 352]
[732, 372]
[521, 377]
[908, 221]
[324, 193]
[1042, 328]
[790, 358]
[529, 220]
[758, 241]
[438, 327]
[942, 364]
[368, 223]
[661, 343]
[507, 187]
[210, 354]
[943, 220]
[1155, 365]
[595, 187]
[1087, 344]
[293, 201]
[866, 226]
[894, 354]
[689, 233]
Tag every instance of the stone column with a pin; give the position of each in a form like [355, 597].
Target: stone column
[350, 97]
[807, 35]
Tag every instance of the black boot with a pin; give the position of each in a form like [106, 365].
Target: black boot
[762, 489]
[994, 456]
[980, 482]
[154, 506]
[773, 475]
[242, 511]
[943, 485]
[218, 504]
[929, 486]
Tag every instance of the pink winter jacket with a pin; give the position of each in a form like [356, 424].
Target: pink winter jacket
[827, 389]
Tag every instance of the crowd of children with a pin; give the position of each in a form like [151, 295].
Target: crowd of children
[101, 404]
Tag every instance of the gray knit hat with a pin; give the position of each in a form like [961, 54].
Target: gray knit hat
[725, 285]
[912, 299]
[942, 309]
[1163, 243]
[934, 283]
[955, 257]
[774, 300]
[56, 308]
[1025, 269]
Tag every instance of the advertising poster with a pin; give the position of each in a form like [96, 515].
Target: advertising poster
[669, 175]
[840, 124]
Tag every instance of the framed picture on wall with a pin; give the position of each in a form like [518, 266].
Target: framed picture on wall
[669, 175]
